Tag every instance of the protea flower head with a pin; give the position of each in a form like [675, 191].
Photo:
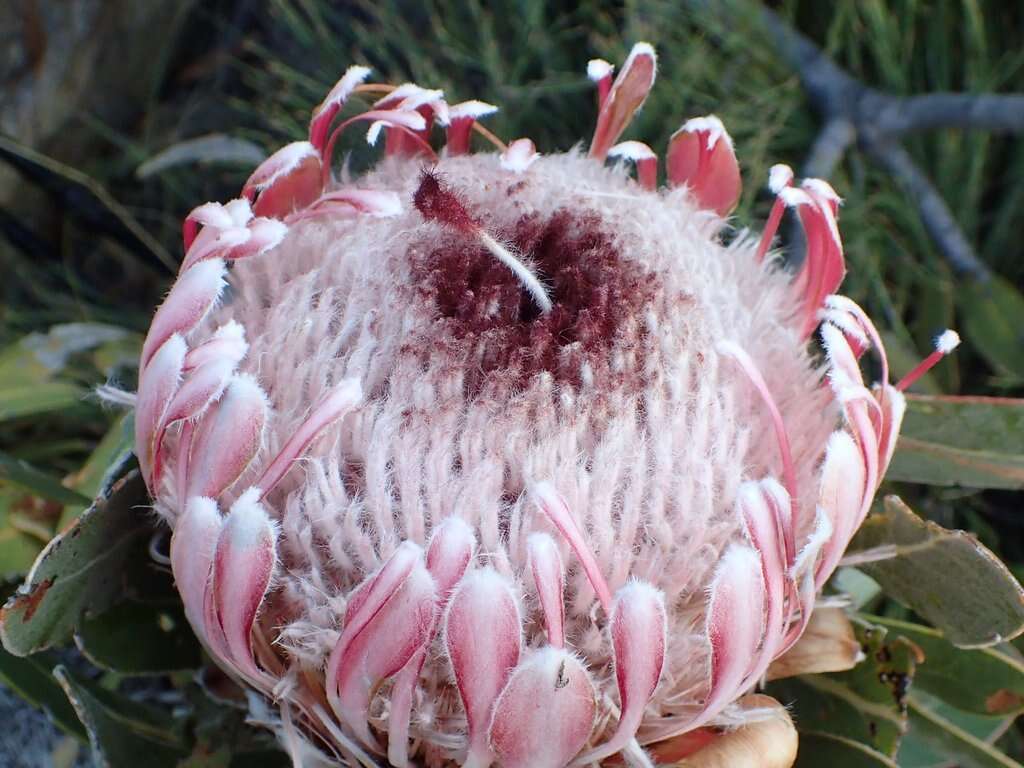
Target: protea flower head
[501, 458]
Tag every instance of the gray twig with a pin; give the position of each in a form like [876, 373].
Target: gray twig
[829, 147]
[1001, 113]
[935, 214]
[854, 112]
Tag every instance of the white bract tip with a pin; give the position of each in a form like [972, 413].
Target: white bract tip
[712, 125]
[246, 503]
[353, 76]
[793, 197]
[640, 49]
[822, 189]
[819, 536]
[519, 156]
[780, 176]
[421, 97]
[598, 69]
[740, 558]
[240, 210]
[472, 109]
[268, 233]
[632, 150]
[232, 331]
[397, 118]
[838, 301]
[281, 163]
[212, 215]
[947, 341]
[401, 92]
[374, 132]
[640, 591]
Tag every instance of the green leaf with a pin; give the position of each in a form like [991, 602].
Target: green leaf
[33, 681]
[226, 758]
[865, 704]
[861, 588]
[111, 452]
[971, 441]
[85, 569]
[32, 400]
[31, 369]
[948, 577]
[267, 758]
[103, 466]
[996, 674]
[38, 357]
[87, 197]
[123, 732]
[136, 638]
[21, 514]
[818, 749]
[224, 738]
[952, 740]
[920, 748]
[24, 475]
[213, 148]
[970, 423]
[993, 313]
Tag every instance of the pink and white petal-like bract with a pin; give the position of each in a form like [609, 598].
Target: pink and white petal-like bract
[185, 306]
[549, 579]
[545, 714]
[483, 638]
[243, 566]
[638, 629]
[701, 156]
[381, 647]
[158, 383]
[227, 440]
[628, 93]
[735, 625]
[192, 548]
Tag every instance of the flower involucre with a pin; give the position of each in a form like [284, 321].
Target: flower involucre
[505, 458]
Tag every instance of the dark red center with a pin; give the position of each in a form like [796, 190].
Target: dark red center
[488, 320]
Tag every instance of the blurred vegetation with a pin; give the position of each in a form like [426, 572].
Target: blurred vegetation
[92, 244]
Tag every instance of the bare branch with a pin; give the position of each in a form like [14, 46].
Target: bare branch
[1002, 113]
[853, 111]
[935, 214]
[832, 91]
[829, 147]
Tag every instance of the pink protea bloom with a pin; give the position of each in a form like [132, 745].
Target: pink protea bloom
[501, 458]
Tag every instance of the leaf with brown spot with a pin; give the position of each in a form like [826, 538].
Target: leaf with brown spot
[996, 674]
[866, 704]
[27, 603]
[1003, 701]
[99, 560]
[958, 738]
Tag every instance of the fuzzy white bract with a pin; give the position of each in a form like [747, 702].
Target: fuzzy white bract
[505, 458]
